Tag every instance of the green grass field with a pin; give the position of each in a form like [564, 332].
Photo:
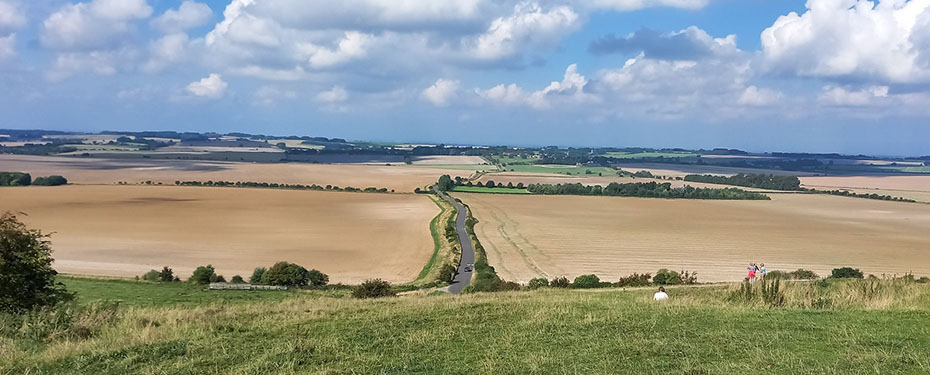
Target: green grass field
[508, 160]
[562, 169]
[549, 331]
[495, 190]
[147, 294]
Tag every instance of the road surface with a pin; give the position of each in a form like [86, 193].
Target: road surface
[462, 278]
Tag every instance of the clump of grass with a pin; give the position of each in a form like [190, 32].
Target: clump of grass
[870, 293]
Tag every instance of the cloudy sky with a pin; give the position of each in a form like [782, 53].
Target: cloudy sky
[763, 75]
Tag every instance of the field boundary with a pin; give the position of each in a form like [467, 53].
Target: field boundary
[440, 242]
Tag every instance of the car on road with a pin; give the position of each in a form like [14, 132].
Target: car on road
[469, 267]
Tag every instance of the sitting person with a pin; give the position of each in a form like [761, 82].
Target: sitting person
[660, 295]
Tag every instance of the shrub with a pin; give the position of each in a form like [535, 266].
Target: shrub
[203, 275]
[560, 282]
[15, 179]
[538, 282]
[317, 278]
[219, 279]
[846, 273]
[152, 275]
[688, 277]
[586, 282]
[166, 275]
[666, 277]
[287, 274]
[257, 274]
[923, 280]
[27, 279]
[50, 181]
[237, 280]
[446, 273]
[634, 280]
[803, 274]
[376, 288]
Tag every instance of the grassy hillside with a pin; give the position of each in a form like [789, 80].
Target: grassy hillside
[701, 330]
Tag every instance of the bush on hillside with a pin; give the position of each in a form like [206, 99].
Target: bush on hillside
[666, 277]
[203, 275]
[152, 275]
[634, 280]
[50, 181]
[803, 274]
[376, 288]
[27, 279]
[317, 278]
[560, 282]
[15, 179]
[446, 273]
[237, 280]
[538, 282]
[846, 273]
[586, 282]
[257, 274]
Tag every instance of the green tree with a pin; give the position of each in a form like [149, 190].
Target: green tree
[445, 183]
[586, 282]
[290, 274]
[27, 279]
[538, 282]
[166, 274]
[666, 277]
[317, 278]
[257, 275]
[846, 273]
[237, 280]
[50, 181]
[203, 275]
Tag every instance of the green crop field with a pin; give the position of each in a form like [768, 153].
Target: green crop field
[562, 169]
[508, 160]
[861, 329]
[495, 190]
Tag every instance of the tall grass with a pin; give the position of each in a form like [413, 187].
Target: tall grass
[697, 331]
[869, 293]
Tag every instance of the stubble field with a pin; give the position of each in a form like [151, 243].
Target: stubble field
[109, 171]
[534, 236]
[127, 230]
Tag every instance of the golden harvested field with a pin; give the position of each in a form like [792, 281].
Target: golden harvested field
[127, 230]
[532, 236]
[109, 171]
[911, 187]
[676, 170]
[544, 178]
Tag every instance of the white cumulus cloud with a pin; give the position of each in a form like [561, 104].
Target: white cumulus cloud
[212, 87]
[337, 94]
[529, 25]
[886, 41]
[11, 17]
[629, 5]
[99, 24]
[441, 92]
[189, 14]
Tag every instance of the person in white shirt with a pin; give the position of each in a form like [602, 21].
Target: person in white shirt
[660, 295]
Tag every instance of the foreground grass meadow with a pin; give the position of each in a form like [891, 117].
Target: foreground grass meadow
[867, 327]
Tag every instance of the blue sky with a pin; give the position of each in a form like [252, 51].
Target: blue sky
[833, 76]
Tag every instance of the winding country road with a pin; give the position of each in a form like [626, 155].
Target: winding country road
[462, 277]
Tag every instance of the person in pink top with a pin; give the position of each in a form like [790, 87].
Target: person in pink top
[752, 272]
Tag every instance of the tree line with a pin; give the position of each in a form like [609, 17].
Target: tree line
[645, 190]
[25, 179]
[760, 181]
[273, 185]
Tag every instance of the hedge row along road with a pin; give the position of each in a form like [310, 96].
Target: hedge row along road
[462, 277]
